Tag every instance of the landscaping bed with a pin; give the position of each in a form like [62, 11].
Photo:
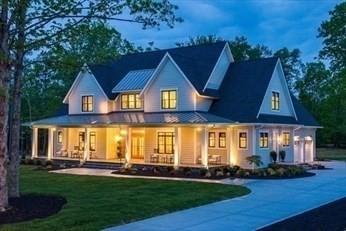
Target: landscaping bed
[31, 206]
[328, 217]
[216, 173]
[274, 171]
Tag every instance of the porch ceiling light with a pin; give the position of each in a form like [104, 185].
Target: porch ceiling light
[117, 138]
[123, 132]
[199, 129]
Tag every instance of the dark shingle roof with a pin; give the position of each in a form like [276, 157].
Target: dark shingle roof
[243, 89]
[303, 115]
[196, 62]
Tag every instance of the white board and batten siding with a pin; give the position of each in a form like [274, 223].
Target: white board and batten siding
[169, 78]
[87, 85]
[277, 84]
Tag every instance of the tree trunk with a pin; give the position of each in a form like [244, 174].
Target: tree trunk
[4, 79]
[14, 145]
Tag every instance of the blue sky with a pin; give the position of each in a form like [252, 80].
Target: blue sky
[274, 23]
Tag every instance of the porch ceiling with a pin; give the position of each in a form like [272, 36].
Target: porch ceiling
[133, 118]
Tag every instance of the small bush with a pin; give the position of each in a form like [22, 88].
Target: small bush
[170, 168]
[254, 160]
[47, 163]
[240, 172]
[208, 174]
[37, 162]
[203, 171]
[273, 156]
[282, 155]
[156, 170]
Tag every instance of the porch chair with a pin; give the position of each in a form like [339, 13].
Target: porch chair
[61, 153]
[214, 159]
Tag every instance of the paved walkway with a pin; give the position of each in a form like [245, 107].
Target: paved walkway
[269, 202]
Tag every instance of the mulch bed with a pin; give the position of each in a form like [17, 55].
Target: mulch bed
[328, 217]
[193, 175]
[306, 174]
[31, 206]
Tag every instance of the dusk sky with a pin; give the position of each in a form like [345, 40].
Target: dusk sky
[274, 23]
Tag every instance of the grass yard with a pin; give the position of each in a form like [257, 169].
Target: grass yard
[94, 203]
[331, 153]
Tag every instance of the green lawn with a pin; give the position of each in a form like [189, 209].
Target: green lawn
[331, 153]
[94, 203]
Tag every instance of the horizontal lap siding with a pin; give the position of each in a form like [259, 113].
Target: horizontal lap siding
[187, 140]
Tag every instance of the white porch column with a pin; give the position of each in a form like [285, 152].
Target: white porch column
[50, 143]
[177, 140]
[86, 153]
[204, 147]
[228, 146]
[128, 145]
[34, 142]
[254, 140]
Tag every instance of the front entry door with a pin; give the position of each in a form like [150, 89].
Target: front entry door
[137, 147]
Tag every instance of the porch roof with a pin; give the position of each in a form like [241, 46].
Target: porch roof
[135, 118]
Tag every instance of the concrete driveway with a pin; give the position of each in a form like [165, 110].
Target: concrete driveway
[269, 202]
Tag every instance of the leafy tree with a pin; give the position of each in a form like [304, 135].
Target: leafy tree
[333, 33]
[242, 50]
[28, 26]
[200, 39]
[292, 65]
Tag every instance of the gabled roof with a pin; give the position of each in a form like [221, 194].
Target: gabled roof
[196, 62]
[242, 92]
[134, 81]
[243, 89]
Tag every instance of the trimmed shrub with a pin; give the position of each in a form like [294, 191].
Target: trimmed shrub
[273, 156]
[282, 155]
[203, 171]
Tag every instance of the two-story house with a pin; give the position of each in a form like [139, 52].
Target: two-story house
[188, 106]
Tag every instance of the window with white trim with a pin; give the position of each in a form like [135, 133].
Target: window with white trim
[222, 139]
[165, 142]
[131, 101]
[211, 140]
[168, 99]
[275, 101]
[87, 103]
[263, 140]
[92, 141]
[59, 137]
[242, 140]
[286, 139]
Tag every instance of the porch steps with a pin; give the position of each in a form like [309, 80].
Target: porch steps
[101, 165]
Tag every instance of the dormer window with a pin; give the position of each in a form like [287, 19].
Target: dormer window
[131, 101]
[168, 99]
[87, 103]
[275, 101]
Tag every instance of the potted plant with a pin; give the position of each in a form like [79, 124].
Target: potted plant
[273, 156]
[282, 155]
[254, 160]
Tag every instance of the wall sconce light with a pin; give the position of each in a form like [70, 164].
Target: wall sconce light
[199, 129]
[117, 138]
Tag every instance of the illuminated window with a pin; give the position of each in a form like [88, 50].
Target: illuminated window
[263, 141]
[243, 140]
[169, 99]
[92, 141]
[275, 101]
[59, 137]
[81, 140]
[211, 140]
[131, 101]
[165, 142]
[222, 139]
[286, 139]
[87, 103]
